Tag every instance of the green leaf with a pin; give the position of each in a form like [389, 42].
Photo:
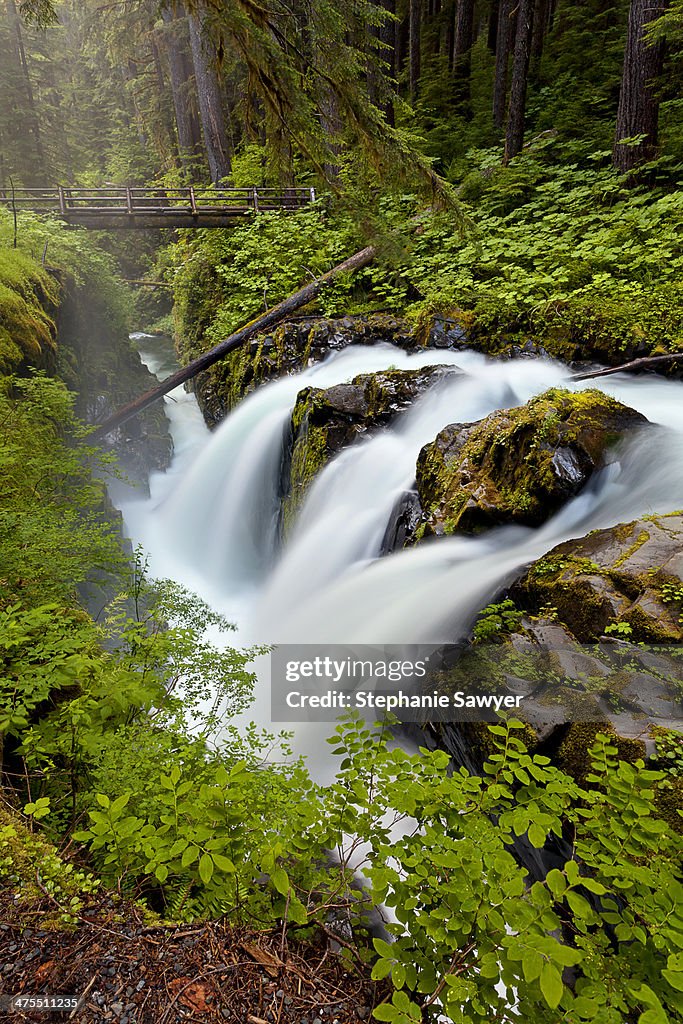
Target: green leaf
[556, 882]
[536, 836]
[384, 949]
[189, 856]
[205, 868]
[297, 911]
[551, 985]
[280, 880]
[675, 979]
[381, 969]
[385, 1012]
[223, 863]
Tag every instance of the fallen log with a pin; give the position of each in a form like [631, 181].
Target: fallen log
[635, 364]
[262, 323]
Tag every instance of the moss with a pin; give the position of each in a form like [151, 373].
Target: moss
[647, 629]
[641, 539]
[669, 802]
[32, 868]
[29, 298]
[572, 754]
[309, 454]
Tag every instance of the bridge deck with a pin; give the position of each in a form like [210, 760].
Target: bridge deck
[143, 207]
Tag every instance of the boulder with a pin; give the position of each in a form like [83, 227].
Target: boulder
[627, 579]
[326, 420]
[518, 465]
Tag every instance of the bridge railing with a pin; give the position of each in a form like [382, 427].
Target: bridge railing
[192, 200]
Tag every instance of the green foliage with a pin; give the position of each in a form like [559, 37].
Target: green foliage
[669, 747]
[35, 870]
[565, 254]
[56, 530]
[467, 918]
[621, 629]
[496, 620]
[223, 279]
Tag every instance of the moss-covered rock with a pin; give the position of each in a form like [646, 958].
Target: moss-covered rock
[627, 579]
[303, 341]
[517, 465]
[29, 299]
[324, 421]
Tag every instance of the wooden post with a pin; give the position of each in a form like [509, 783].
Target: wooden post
[255, 199]
[129, 200]
[193, 201]
[262, 323]
[62, 202]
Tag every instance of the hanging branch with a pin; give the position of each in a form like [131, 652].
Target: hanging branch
[635, 364]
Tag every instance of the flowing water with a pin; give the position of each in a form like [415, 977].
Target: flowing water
[211, 520]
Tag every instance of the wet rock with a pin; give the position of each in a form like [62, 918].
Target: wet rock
[324, 421]
[519, 465]
[404, 520]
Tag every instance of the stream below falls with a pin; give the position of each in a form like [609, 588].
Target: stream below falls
[211, 520]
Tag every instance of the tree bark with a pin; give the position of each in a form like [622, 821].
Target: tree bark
[462, 48]
[636, 364]
[638, 113]
[176, 44]
[210, 101]
[34, 122]
[507, 14]
[514, 136]
[261, 323]
[414, 41]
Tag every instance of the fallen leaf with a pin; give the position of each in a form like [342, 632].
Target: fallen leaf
[44, 970]
[195, 995]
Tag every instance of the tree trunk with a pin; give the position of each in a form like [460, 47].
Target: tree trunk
[166, 145]
[462, 48]
[414, 39]
[539, 33]
[385, 54]
[210, 101]
[182, 86]
[638, 112]
[507, 14]
[514, 136]
[257, 326]
[34, 123]
[492, 30]
[449, 32]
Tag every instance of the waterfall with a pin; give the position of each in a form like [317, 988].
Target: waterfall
[211, 519]
[222, 518]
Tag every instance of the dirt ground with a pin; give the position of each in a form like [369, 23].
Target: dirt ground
[127, 971]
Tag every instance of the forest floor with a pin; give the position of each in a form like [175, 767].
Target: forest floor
[127, 971]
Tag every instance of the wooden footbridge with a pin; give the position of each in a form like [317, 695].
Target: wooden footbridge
[154, 207]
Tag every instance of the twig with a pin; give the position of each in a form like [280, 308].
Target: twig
[82, 998]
